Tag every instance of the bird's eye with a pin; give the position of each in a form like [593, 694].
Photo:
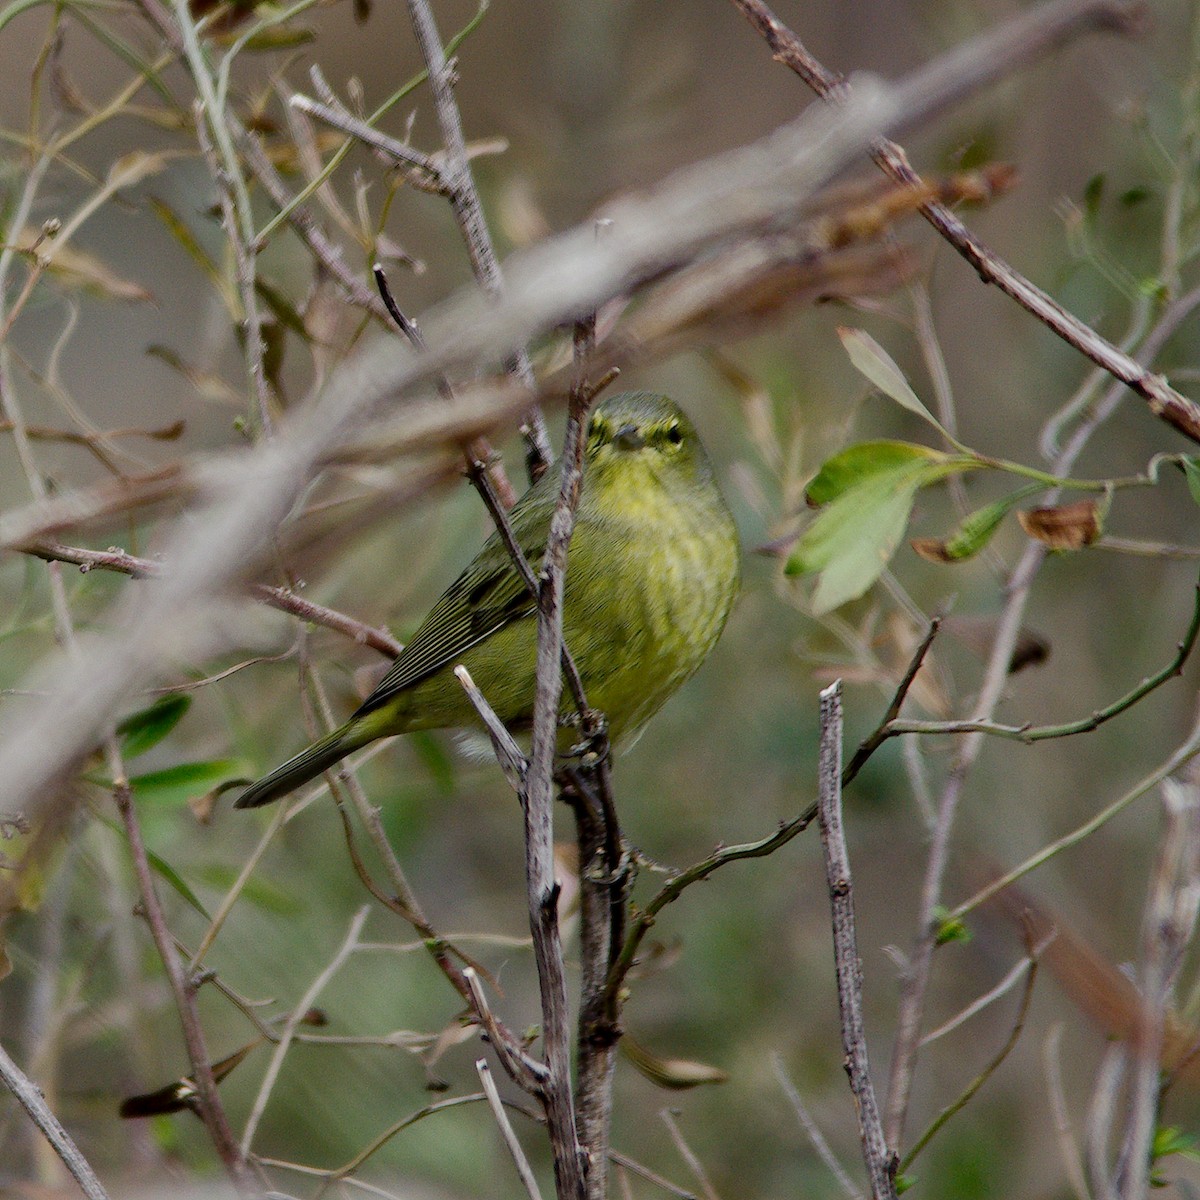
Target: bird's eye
[674, 435]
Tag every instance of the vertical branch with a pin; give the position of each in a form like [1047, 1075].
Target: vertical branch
[469, 212]
[1169, 919]
[880, 1164]
[539, 820]
[236, 212]
[601, 886]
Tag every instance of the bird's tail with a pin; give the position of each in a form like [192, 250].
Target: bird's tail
[308, 764]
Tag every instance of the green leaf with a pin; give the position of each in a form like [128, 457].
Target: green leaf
[1168, 1139]
[279, 303]
[855, 535]
[904, 1182]
[176, 785]
[949, 930]
[161, 867]
[857, 463]
[1093, 196]
[183, 234]
[1134, 196]
[974, 531]
[873, 361]
[1191, 472]
[142, 730]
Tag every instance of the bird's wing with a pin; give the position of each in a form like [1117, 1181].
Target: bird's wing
[488, 595]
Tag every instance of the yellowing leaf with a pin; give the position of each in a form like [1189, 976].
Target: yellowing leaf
[871, 360]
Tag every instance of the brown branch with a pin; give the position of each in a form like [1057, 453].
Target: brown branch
[276, 597]
[538, 806]
[1045, 29]
[464, 200]
[209, 1106]
[881, 1165]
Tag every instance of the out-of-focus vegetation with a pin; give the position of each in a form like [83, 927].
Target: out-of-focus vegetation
[137, 330]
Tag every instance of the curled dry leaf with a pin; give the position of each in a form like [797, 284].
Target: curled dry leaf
[675, 1074]
[1064, 527]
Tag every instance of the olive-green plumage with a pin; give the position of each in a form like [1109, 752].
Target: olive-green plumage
[652, 573]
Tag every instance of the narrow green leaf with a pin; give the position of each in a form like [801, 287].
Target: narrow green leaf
[177, 785]
[161, 867]
[182, 233]
[974, 531]
[873, 361]
[284, 310]
[140, 731]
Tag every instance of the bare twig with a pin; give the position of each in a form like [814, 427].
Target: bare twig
[679, 882]
[1068, 1151]
[284, 599]
[1187, 751]
[506, 1130]
[881, 1165]
[873, 741]
[30, 1097]
[569, 1155]
[988, 1071]
[688, 1155]
[183, 989]
[1005, 985]
[393, 148]
[524, 1071]
[464, 199]
[508, 753]
[348, 946]
[894, 727]
[1167, 926]
[810, 1127]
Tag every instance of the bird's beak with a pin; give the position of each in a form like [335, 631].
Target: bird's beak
[629, 437]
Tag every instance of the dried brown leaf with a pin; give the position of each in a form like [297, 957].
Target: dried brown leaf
[1065, 526]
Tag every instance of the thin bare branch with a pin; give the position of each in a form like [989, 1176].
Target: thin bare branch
[506, 1130]
[30, 1098]
[880, 1162]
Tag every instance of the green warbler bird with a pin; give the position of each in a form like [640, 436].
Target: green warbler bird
[652, 573]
